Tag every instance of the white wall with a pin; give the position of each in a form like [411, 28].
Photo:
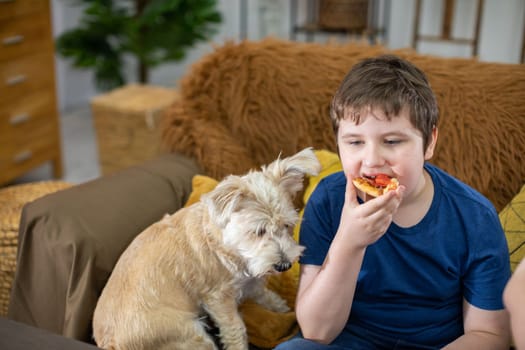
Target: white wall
[500, 37]
[501, 34]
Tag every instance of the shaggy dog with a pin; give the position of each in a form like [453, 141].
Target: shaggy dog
[202, 261]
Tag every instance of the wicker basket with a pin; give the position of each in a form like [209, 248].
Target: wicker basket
[12, 199]
[349, 15]
[126, 123]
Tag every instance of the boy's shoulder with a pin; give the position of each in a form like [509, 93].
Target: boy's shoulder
[334, 181]
[336, 178]
[331, 186]
[452, 187]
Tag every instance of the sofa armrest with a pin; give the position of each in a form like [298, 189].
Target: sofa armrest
[70, 240]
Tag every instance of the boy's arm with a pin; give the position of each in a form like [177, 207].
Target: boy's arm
[325, 295]
[484, 329]
[326, 292]
[514, 297]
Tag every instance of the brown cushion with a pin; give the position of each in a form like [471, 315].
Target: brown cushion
[69, 241]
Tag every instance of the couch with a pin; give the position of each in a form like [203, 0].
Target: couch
[240, 107]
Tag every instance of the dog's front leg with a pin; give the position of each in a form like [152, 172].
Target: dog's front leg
[225, 314]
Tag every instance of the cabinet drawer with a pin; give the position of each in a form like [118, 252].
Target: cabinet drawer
[23, 35]
[19, 145]
[21, 138]
[13, 8]
[14, 162]
[25, 75]
[21, 117]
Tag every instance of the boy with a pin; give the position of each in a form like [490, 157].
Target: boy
[421, 267]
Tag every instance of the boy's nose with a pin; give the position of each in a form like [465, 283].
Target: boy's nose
[373, 158]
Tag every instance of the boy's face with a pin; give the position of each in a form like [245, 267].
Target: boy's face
[379, 146]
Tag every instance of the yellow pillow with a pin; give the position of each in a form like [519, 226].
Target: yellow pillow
[329, 164]
[512, 219]
[200, 184]
[265, 328]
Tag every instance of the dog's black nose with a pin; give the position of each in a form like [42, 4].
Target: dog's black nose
[282, 266]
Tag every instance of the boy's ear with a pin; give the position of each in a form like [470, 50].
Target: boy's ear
[429, 152]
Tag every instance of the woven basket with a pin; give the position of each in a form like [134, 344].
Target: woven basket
[12, 199]
[126, 123]
[343, 14]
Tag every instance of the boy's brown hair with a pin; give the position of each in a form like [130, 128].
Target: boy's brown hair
[390, 83]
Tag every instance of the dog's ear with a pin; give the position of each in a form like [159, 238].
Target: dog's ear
[289, 172]
[224, 199]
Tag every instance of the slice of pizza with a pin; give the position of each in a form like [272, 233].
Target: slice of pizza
[376, 185]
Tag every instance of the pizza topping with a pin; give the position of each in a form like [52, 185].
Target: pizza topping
[382, 180]
[379, 180]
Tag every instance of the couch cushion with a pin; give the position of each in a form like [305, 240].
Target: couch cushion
[200, 184]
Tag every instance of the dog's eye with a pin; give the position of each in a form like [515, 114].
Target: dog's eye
[261, 231]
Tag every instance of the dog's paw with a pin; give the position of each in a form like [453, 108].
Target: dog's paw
[276, 303]
[269, 300]
[282, 308]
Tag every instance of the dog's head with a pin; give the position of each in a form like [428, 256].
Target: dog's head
[256, 215]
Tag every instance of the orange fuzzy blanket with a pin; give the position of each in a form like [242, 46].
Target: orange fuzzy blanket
[245, 103]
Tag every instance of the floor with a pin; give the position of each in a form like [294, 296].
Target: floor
[79, 150]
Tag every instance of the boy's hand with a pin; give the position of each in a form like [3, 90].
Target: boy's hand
[363, 224]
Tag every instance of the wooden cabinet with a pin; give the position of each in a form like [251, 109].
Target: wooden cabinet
[29, 123]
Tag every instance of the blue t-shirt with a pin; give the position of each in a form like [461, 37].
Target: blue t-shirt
[413, 280]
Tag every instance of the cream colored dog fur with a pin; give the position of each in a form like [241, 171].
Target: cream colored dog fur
[202, 261]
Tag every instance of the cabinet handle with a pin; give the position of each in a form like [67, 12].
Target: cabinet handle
[17, 79]
[12, 40]
[19, 119]
[22, 156]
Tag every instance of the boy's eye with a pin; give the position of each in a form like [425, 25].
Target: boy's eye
[354, 142]
[392, 141]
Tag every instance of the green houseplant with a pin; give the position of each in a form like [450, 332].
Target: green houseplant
[152, 31]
